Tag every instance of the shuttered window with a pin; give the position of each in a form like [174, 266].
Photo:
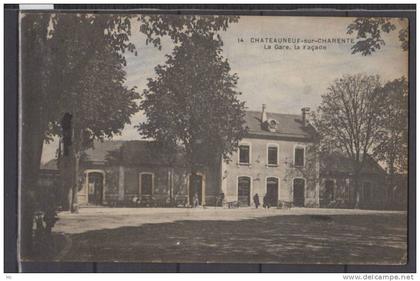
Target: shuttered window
[272, 152]
[299, 156]
[244, 151]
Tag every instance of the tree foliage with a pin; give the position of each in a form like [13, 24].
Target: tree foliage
[181, 28]
[393, 146]
[72, 62]
[350, 118]
[91, 86]
[370, 32]
[193, 102]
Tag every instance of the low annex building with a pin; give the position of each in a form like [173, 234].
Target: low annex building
[338, 184]
[121, 172]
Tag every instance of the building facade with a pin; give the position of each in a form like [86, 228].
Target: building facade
[277, 158]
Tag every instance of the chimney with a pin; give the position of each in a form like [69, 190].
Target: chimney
[263, 114]
[305, 112]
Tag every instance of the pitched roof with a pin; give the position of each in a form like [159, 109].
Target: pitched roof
[142, 152]
[336, 162]
[134, 152]
[100, 150]
[288, 126]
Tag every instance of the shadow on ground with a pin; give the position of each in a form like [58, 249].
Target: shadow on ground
[336, 239]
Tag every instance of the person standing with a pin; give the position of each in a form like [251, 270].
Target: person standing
[195, 200]
[220, 199]
[256, 200]
[266, 201]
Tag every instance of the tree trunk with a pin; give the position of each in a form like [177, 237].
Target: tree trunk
[357, 188]
[75, 187]
[390, 184]
[171, 185]
[357, 201]
[67, 180]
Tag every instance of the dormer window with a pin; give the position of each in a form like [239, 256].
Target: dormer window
[272, 125]
[244, 154]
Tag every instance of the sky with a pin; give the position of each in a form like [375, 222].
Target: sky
[284, 80]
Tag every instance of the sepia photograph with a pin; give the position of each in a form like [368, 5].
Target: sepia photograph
[154, 137]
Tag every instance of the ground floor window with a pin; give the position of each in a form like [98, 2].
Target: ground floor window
[146, 183]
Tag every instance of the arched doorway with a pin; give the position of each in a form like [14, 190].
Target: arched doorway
[273, 190]
[244, 191]
[95, 188]
[298, 192]
[196, 186]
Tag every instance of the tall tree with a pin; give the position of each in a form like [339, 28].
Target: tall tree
[393, 147]
[99, 102]
[349, 119]
[369, 32]
[193, 102]
[66, 60]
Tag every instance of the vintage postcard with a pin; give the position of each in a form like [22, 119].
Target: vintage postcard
[213, 138]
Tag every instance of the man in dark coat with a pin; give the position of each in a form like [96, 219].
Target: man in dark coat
[256, 200]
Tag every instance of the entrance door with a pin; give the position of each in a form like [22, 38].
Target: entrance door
[196, 187]
[298, 193]
[244, 191]
[95, 188]
[273, 191]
